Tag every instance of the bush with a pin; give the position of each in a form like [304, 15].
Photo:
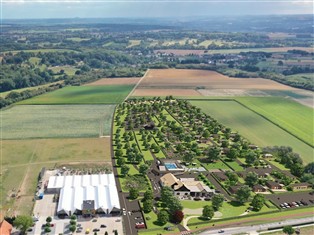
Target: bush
[148, 218]
[73, 217]
[73, 222]
[47, 229]
[49, 219]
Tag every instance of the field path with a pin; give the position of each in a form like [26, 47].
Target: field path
[131, 92]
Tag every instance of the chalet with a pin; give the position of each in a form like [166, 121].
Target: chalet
[301, 186]
[186, 187]
[234, 189]
[267, 155]
[273, 185]
[260, 171]
[253, 146]
[5, 228]
[259, 189]
[221, 176]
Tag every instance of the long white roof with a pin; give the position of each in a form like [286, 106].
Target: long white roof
[76, 189]
[56, 182]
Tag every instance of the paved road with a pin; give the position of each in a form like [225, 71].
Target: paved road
[254, 228]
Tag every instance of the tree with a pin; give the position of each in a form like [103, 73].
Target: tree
[125, 170]
[217, 201]
[208, 212]
[147, 206]
[188, 157]
[213, 153]
[166, 194]
[251, 179]
[23, 222]
[206, 134]
[232, 178]
[250, 158]
[106, 233]
[174, 204]
[120, 161]
[143, 169]
[115, 232]
[163, 217]
[133, 193]
[243, 194]
[288, 229]
[297, 169]
[177, 216]
[47, 229]
[232, 154]
[148, 195]
[49, 219]
[258, 202]
[72, 228]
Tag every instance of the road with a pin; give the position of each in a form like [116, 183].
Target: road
[262, 227]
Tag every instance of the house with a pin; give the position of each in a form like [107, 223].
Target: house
[234, 189]
[267, 155]
[273, 185]
[301, 186]
[259, 189]
[186, 187]
[5, 228]
[221, 176]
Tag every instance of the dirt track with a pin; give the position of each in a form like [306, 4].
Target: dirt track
[165, 92]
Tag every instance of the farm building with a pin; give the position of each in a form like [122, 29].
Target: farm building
[259, 189]
[301, 186]
[186, 187]
[273, 185]
[85, 194]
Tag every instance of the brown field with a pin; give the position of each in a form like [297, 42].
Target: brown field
[231, 51]
[186, 78]
[165, 92]
[114, 81]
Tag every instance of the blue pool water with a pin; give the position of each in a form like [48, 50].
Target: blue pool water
[171, 166]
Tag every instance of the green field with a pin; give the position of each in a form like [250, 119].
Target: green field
[253, 127]
[56, 121]
[83, 95]
[290, 115]
[41, 50]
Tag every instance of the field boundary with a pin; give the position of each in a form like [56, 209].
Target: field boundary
[261, 115]
[136, 85]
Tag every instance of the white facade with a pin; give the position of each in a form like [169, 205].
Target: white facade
[77, 188]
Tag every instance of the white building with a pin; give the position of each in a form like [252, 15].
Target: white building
[85, 194]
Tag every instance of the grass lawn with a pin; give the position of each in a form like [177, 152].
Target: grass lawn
[56, 121]
[234, 165]
[190, 204]
[277, 164]
[253, 127]
[112, 94]
[216, 165]
[290, 115]
[69, 70]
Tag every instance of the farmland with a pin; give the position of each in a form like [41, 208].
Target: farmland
[253, 127]
[231, 51]
[182, 78]
[19, 156]
[291, 116]
[56, 121]
[114, 81]
[83, 95]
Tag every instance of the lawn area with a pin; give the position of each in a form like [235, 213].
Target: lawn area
[290, 115]
[253, 127]
[277, 164]
[190, 204]
[215, 165]
[234, 165]
[303, 230]
[69, 70]
[56, 121]
[112, 94]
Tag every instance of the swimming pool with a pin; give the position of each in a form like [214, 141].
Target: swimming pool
[171, 166]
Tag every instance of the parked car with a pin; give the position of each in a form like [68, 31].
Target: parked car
[103, 226]
[139, 225]
[96, 230]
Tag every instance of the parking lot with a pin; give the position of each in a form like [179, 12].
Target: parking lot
[99, 225]
[290, 200]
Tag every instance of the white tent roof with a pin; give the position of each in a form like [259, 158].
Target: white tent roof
[76, 189]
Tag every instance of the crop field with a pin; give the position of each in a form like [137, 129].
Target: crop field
[232, 51]
[112, 94]
[253, 127]
[56, 121]
[19, 156]
[293, 117]
[186, 78]
[114, 81]
[165, 92]
[133, 43]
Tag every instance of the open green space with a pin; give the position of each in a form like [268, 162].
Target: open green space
[252, 126]
[112, 94]
[69, 70]
[288, 114]
[41, 50]
[56, 121]
[303, 230]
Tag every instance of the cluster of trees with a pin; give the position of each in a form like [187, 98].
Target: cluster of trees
[173, 205]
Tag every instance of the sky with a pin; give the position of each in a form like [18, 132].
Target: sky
[32, 9]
